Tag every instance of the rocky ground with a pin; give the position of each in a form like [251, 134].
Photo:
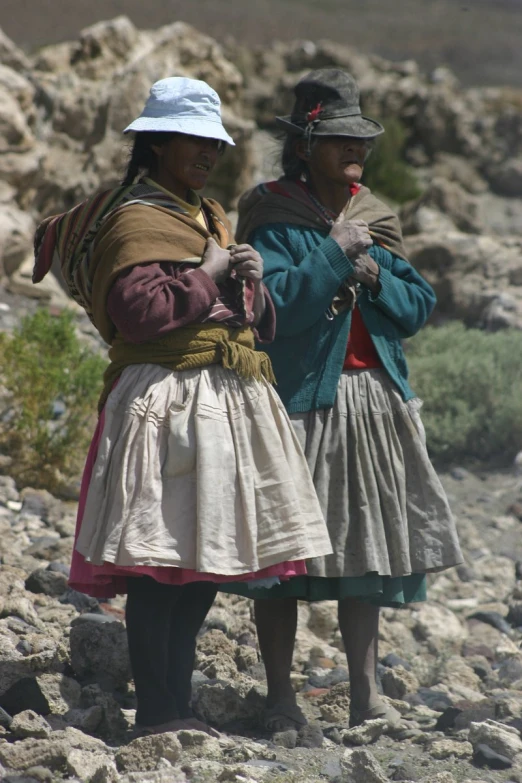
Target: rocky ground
[452, 666]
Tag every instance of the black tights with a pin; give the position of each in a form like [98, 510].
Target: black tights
[162, 624]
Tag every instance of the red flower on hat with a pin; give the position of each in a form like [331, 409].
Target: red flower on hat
[314, 113]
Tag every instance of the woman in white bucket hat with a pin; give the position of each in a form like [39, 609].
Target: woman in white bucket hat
[194, 456]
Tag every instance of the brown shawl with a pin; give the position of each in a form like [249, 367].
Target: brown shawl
[286, 201]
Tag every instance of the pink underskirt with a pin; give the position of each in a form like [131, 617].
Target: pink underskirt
[108, 580]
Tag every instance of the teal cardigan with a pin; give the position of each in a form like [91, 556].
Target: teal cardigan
[303, 270]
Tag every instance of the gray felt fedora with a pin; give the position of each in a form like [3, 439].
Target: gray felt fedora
[327, 104]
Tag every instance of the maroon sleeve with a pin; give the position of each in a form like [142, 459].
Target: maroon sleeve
[149, 300]
[266, 328]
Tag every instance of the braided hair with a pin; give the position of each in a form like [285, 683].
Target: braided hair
[142, 156]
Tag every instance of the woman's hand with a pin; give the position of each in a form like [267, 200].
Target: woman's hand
[216, 261]
[247, 262]
[366, 272]
[353, 236]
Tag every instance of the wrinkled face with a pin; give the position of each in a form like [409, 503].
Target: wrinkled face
[185, 162]
[339, 159]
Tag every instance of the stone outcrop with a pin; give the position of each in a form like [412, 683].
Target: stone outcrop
[63, 110]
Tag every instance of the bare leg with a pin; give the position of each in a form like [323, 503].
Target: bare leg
[276, 621]
[359, 625]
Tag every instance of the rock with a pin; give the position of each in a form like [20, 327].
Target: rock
[327, 678]
[113, 726]
[397, 682]
[310, 736]
[446, 748]
[366, 733]
[145, 753]
[40, 503]
[493, 618]
[16, 231]
[44, 694]
[85, 604]
[334, 706]
[5, 718]
[404, 770]
[162, 775]
[360, 766]
[100, 651]
[474, 713]
[510, 671]
[502, 739]
[220, 703]
[46, 582]
[439, 627]
[218, 667]
[285, 739]
[506, 178]
[29, 724]
[454, 206]
[514, 616]
[87, 720]
[460, 267]
[215, 642]
[11, 55]
[50, 753]
[89, 766]
[439, 777]
[392, 660]
[200, 745]
[246, 658]
[323, 619]
[487, 757]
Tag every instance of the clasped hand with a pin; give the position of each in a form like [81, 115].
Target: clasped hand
[218, 262]
[353, 236]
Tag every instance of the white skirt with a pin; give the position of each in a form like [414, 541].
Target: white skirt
[199, 469]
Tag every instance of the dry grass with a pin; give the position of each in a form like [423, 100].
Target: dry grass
[479, 39]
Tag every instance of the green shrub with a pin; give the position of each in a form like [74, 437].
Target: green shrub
[386, 172]
[44, 365]
[471, 384]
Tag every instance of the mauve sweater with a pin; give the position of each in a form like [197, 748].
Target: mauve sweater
[148, 301]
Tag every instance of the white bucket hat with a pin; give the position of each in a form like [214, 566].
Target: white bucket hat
[181, 105]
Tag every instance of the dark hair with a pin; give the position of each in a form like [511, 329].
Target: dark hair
[293, 166]
[142, 156]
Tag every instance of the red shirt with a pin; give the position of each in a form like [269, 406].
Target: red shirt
[360, 351]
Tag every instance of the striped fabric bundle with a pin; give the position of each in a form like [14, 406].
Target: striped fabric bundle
[69, 237]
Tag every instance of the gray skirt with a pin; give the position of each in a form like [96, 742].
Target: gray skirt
[383, 502]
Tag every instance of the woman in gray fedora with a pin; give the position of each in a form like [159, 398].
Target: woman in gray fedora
[345, 297]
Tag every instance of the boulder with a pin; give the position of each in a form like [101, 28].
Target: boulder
[145, 753]
[16, 237]
[360, 766]
[500, 738]
[440, 627]
[99, 651]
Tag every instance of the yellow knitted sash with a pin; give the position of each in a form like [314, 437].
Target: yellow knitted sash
[196, 345]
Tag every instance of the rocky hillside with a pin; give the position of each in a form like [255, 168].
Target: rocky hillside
[479, 39]
[452, 667]
[63, 109]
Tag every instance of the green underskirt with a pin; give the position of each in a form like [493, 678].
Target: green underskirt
[391, 591]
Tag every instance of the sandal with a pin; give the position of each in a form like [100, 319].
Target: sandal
[283, 716]
[381, 711]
